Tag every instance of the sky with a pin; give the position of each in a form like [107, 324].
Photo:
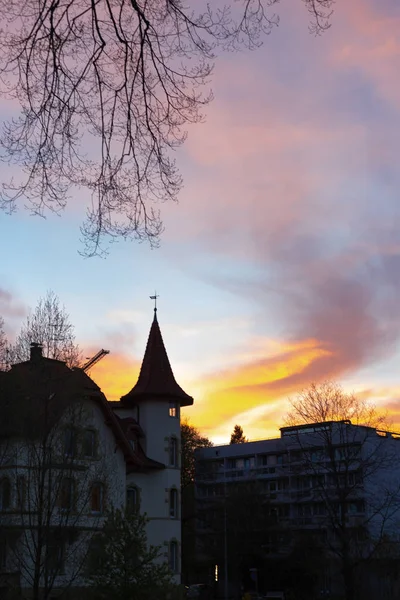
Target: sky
[280, 266]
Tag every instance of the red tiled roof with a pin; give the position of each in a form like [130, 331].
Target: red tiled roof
[156, 379]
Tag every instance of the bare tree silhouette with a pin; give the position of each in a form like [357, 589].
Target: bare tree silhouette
[107, 89]
[49, 326]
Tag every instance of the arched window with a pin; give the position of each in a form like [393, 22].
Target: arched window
[5, 493]
[173, 556]
[173, 452]
[173, 503]
[132, 499]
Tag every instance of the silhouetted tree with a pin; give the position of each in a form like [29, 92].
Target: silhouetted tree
[348, 472]
[191, 439]
[327, 401]
[49, 326]
[237, 436]
[124, 78]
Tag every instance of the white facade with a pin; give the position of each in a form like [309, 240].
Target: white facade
[157, 501]
[51, 488]
[134, 452]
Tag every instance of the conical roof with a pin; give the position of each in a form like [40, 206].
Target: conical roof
[156, 379]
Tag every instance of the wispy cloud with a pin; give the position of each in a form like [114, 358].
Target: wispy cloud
[11, 307]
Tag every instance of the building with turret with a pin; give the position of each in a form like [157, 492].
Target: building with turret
[67, 455]
[150, 415]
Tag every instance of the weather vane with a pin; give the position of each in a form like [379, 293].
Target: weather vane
[155, 299]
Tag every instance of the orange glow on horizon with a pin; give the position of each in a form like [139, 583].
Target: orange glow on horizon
[116, 375]
[254, 393]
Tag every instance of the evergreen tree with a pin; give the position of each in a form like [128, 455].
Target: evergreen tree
[237, 436]
[191, 439]
[121, 565]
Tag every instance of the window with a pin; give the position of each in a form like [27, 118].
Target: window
[132, 444]
[283, 484]
[173, 556]
[132, 499]
[173, 452]
[262, 460]
[356, 507]
[3, 553]
[67, 489]
[5, 493]
[173, 503]
[97, 498]
[55, 554]
[89, 443]
[21, 492]
[248, 463]
[319, 509]
[173, 409]
[69, 442]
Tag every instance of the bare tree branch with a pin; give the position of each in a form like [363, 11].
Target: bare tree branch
[49, 326]
[107, 89]
[343, 459]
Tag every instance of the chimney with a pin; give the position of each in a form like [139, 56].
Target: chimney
[36, 351]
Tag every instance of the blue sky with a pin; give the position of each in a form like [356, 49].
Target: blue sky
[281, 263]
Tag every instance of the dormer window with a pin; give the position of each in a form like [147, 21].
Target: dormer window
[173, 409]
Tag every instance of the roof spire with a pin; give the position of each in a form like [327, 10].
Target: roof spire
[156, 379]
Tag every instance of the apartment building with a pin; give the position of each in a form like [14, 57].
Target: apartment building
[331, 487]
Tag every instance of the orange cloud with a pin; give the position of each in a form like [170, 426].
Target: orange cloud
[249, 393]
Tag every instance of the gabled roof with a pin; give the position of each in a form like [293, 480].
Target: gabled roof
[132, 430]
[156, 379]
[34, 395]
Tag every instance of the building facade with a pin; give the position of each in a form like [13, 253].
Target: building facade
[324, 496]
[67, 455]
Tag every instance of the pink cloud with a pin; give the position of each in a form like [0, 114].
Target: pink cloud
[10, 306]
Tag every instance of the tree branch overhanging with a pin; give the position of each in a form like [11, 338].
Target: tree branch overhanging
[107, 89]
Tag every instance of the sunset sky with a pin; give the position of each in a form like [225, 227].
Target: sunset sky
[281, 264]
